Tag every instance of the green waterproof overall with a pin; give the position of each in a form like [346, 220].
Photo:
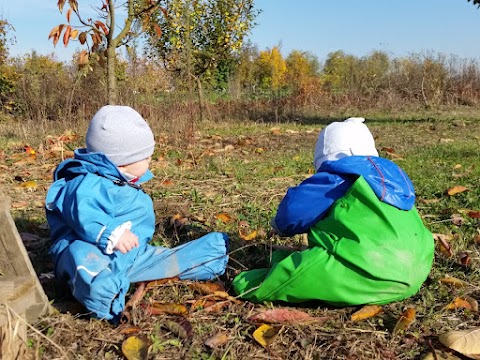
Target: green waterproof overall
[363, 251]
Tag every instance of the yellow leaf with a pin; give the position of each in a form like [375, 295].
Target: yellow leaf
[265, 334]
[135, 348]
[28, 185]
[73, 34]
[405, 320]
[224, 217]
[366, 312]
[157, 308]
[466, 342]
[247, 237]
[457, 189]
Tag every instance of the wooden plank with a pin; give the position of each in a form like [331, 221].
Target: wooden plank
[20, 287]
[14, 259]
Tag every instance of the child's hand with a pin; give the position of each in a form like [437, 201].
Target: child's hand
[127, 242]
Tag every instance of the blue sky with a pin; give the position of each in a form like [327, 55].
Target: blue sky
[400, 27]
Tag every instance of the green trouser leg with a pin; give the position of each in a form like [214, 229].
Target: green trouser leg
[314, 274]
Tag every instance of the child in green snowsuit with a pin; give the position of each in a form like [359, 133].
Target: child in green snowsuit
[367, 242]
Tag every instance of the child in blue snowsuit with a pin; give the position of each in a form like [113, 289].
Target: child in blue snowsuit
[101, 220]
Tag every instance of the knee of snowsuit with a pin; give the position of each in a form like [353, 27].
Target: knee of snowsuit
[362, 252]
[100, 281]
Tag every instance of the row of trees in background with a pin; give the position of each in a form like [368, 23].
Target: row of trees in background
[228, 78]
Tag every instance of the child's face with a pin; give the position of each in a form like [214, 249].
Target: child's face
[138, 168]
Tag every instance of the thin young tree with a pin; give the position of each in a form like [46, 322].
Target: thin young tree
[104, 34]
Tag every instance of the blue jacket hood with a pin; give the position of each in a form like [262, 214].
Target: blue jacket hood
[389, 182]
[85, 162]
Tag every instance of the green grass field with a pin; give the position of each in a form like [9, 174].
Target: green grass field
[230, 177]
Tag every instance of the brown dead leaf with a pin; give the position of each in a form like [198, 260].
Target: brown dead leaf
[137, 295]
[457, 189]
[405, 320]
[450, 280]
[217, 340]
[466, 342]
[217, 307]
[157, 308]
[167, 182]
[463, 258]
[463, 303]
[366, 312]
[135, 348]
[183, 329]
[206, 288]
[129, 329]
[266, 334]
[275, 131]
[474, 214]
[284, 316]
[443, 245]
[161, 282]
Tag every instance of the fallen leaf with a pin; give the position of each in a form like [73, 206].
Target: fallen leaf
[266, 334]
[206, 288]
[161, 282]
[137, 295]
[405, 320]
[217, 307]
[183, 329]
[157, 308]
[366, 312]
[245, 232]
[28, 185]
[429, 201]
[135, 348]
[167, 182]
[463, 303]
[457, 189]
[444, 246]
[463, 258]
[130, 329]
[466, 342]
[284, 316]
[224, 217]
[474, 214]
[453, 281]
[217, 340]
[275, 131]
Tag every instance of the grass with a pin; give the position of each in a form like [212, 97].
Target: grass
[242, 170]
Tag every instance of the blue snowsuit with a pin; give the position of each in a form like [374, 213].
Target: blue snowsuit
[89, 199]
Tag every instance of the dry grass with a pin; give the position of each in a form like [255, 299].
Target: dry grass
[243, 170]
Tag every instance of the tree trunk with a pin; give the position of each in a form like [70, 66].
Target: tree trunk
[111, 76]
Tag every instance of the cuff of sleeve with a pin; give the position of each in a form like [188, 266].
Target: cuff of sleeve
[116, 235]
[275, 227]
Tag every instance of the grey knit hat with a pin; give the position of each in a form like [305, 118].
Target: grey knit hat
[121, 134]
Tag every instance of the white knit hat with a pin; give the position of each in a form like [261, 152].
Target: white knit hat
[341, 139]
[121, 134]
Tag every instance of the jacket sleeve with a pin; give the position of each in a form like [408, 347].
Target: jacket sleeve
[87, 206]
[304, 205]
